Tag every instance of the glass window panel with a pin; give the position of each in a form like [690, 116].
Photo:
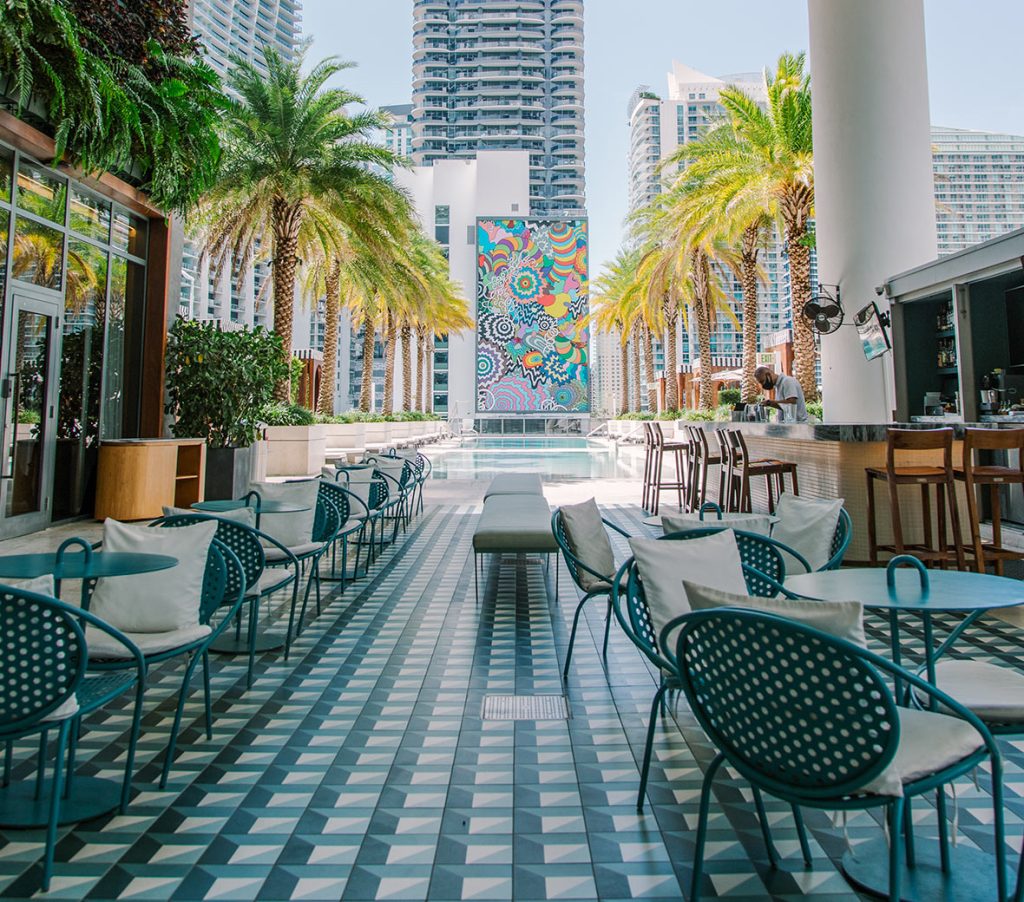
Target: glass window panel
[6, 163]
[442, 215]
[41, 193]
[126, 308]
[5, 223]
[130, 234]
[25, 441]
[38, 254]
[90, 216]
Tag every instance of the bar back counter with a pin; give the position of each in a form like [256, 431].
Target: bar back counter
[831, 459]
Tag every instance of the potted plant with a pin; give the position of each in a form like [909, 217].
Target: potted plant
[218, 384]
[296, 442]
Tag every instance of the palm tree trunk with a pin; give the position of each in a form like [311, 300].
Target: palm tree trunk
[671, 356]
[702, 313]
[421, 366]
[428, 389]
[332, 304]
[406, 334]
[366, 385]
[635, 348]
[624, 365]
[748, 285]
[648, 348]
[795, 206]
[287, 218]
[388, 402]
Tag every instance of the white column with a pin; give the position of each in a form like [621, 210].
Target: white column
[874, 193]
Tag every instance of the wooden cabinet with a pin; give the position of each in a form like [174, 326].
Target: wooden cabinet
[138, 477]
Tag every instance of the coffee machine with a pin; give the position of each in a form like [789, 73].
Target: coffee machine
[1010, 385]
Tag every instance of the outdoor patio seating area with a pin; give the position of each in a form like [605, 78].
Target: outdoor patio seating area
[413, 742]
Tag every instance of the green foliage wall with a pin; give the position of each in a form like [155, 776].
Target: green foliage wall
[218, 383]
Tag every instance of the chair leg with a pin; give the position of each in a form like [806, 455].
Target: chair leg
[291, 613]
[56, 793]
[649, 745]
[940, 810]
[766, 831]
[702, 828]
[607, 628]
[999, 829]
[908, 833]
[8, 757]
[133, 741]
[872, 537]
[801, 833]
[895, 814]
[572, 634]
[207, 701]
[254, 614]
[954, 525]
[179, 710]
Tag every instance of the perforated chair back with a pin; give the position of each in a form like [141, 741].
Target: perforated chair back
[379, 493]
[793, 709]
[241, 539]
[339, 497]
[223, 583]
[327, 519]
[840, 541]
[42, 658]
[573, 564]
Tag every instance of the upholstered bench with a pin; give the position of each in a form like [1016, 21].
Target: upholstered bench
[512, 524]
[514, 484]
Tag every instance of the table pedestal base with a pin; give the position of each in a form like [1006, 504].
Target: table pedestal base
[971, 877]
[229, 645]
[91, 797]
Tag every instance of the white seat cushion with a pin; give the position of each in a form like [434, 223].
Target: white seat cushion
[244, 515]
[842, 619]
[155, 602]
[928, 743]
[276, 555]
[759, 523]
[269, 580]
[663, 564]
[64, 710]
[289, 529]
[588, 541]
[806, 525]
[102, 645]
[994, 693]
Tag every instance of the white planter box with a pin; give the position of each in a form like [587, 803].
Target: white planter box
[296, 450]
[377, 433]
[346, 435]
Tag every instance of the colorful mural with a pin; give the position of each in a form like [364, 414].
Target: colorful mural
[532, 338]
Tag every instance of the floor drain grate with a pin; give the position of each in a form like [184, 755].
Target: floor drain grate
[525, 707]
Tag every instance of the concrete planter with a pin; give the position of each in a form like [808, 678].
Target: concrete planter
[296, 450]
[378, 433]
[345, 435]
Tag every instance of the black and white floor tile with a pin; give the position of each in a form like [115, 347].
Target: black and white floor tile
[362, 769]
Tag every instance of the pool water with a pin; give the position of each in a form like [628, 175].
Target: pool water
[549, 458]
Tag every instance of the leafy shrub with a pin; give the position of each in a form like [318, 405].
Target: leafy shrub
[636, 415]
[669, 415]
[699, 416]
[729, 396]
[281, 414]
[218, 383]
[814, 408]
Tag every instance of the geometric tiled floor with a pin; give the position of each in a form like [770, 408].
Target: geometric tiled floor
[362, 770]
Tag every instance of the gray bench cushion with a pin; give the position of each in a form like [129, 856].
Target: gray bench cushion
[515, 523]
[514, 484]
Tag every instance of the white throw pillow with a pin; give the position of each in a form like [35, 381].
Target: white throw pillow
[291, 530]
[806, 525]
[842, 619]
[244, 515]
[588, 540]
[664, 563]
[41, 585]
[759, 523]
[155, 602]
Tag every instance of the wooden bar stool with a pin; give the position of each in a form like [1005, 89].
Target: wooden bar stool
[925, 476]
[975, 475]
[648, 465]
[772, 469]
[678, 450]
[703, 459]
[728, 476]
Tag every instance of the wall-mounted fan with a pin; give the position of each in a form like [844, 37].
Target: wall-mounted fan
[824, 312]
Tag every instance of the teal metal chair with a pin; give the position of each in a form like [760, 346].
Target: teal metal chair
[44, 644]
[575, 565]
[401, 491]
[811, 735]
[422, 469]
[326, 524]
[764, 572]
[352, 514]
[248, 545]
[223, 593]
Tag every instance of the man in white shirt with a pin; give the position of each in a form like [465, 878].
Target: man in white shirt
[789, 396]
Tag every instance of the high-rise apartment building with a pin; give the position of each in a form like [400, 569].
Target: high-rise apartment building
[503, 75]
[398, 133]
[979, 186]
[242, 28]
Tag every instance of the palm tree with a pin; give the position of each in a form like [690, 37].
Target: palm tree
[760, 163]
[290, 145]
[612, 293]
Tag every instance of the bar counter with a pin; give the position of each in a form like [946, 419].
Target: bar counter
[831, 459]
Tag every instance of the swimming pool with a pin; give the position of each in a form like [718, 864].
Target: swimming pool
[550, 458]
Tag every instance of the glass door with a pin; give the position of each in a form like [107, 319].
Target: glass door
[29, 403]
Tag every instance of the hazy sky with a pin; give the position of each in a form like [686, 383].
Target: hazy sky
[974, 60]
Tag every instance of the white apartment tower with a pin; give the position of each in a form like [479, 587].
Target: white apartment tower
[503, 75]
[979, 186]
[242, 28]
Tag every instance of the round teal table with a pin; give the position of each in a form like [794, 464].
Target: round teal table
[90, 797]
[968, 874]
